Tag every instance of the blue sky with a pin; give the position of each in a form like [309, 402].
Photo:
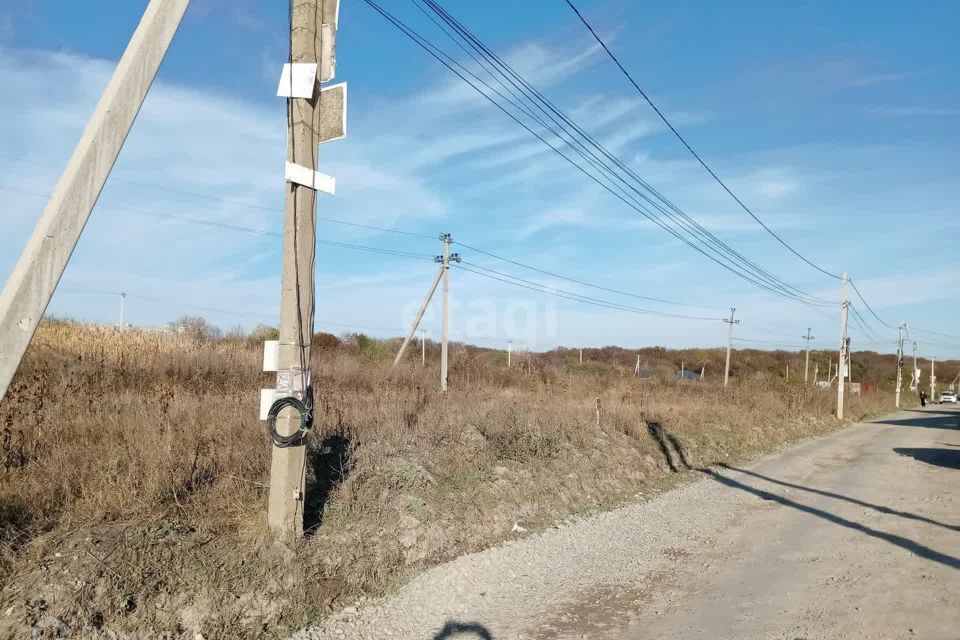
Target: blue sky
[837, 123]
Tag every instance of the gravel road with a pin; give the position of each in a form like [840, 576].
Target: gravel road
[855, 536]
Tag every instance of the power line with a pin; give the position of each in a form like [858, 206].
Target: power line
[936, 333]
[759, 277]
[390, 252]
[676, 215]
[580, 282]
[534, 286]
[690, 149]
[231, 312]
[861, 322]
[771, 342]
[867, 305]
[240, 228]
[229, 201]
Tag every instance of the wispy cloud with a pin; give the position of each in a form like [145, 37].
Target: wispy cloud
[869, 79]
[914, 111]
[827, 72]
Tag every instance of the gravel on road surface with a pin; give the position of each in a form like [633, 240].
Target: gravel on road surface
[854, 535]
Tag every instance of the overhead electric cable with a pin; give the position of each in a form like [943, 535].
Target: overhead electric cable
[580, 282]
[445, 59]
[552, 112]
[867, 305]
[245, 229]
[528, 284]
[69, 290]
[690, 149]
[935, 333]
[237, 203]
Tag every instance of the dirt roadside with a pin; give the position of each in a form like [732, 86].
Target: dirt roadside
[853, 535]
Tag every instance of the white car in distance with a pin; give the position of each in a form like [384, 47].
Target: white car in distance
[948, 396]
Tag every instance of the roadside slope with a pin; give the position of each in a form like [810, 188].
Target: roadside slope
[852, 535]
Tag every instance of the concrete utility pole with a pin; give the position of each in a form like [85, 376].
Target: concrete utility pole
[788, 373]
[447, 257]
[312, 30]
[915, 374]
[36, 274]
[703, 368]
[636, 369]
[806, 362]
[423, 348]
[123, 321]
[731, 322]
[509, 352]
[816, 373]
[581, 356]
[933, 379]
[843, 361]
[899, 363]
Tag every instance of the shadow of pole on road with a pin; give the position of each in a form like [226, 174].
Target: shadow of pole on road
[838, 496]
[947, 458]
[904, 543]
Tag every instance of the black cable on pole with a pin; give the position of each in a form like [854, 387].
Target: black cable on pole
[690, 149]
[304, 409]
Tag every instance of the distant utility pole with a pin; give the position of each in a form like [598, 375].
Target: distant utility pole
[35, 277]
[731, 322]
[581, 355]
[682, 367]
[423, 348]
[816, 372]
[703, 368]
[806, 362]
[509, 352]
[636, 369]
[915, 374]
[933, 378]
[309, 123]
[899, 363]
[442, 274]
[843, 361]
[788, 373]
[123, 321]
[445, 266]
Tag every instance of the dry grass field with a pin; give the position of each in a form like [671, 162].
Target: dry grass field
[134, 471]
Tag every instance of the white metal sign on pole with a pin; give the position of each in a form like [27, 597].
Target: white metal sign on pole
[34, 279]
[332, 114]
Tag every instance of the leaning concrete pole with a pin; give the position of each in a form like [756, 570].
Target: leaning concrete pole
[416, 323]
[34, 279]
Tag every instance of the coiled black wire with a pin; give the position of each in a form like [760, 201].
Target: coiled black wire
[303, 408]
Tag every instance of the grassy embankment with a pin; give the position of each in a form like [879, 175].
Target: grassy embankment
[135, 469]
